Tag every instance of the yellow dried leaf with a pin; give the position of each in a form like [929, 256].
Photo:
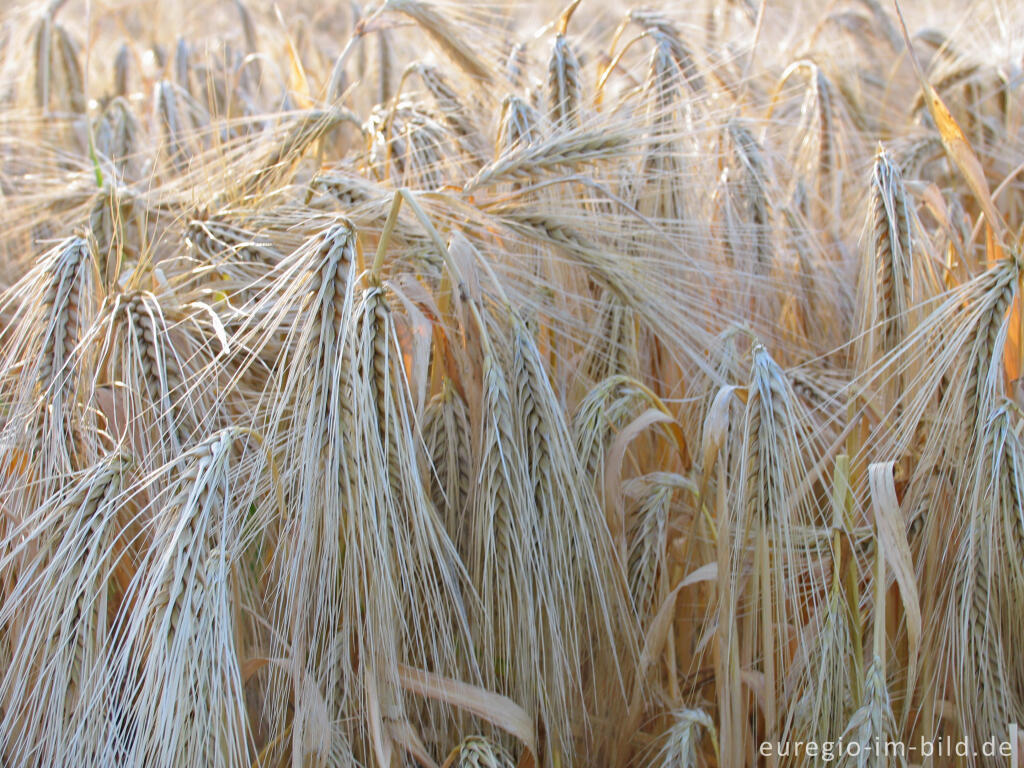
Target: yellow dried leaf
[495, 708]
[957, 147]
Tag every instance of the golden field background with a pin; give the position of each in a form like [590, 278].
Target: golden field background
[426, 383]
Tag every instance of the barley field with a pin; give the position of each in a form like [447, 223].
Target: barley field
[511, 385]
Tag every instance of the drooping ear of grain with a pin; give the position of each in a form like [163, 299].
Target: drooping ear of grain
[989, 583]
[110, 222]
[647, 538]
[59, 684]
[42, 371]
[122, 70]
[827, 150]
[683, 739]
[753, 195]
[183, 634]
[42, 44]
[580, 549]
[425, 154]
[151, 379]
[885, 284]
[268, 498]
[365, 538]
[503, 529]
[396, 547]
[662, 169]
[831, 668]
[162, 378]
[117, 136]
[62, 311]
[445, 33]
[182, 67]
[456, 116]
[984, 346]
[169, 116]
[602, 413]
[58, 71]
[478, 752]
[613, 352]
[446, 434]
[560, 153]
[515, 67]
[769, 417]
[518, 126]
[280, 163]
[763, 511]
[873, 721]
[564, 87]
[666, 33]
[308, 418]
